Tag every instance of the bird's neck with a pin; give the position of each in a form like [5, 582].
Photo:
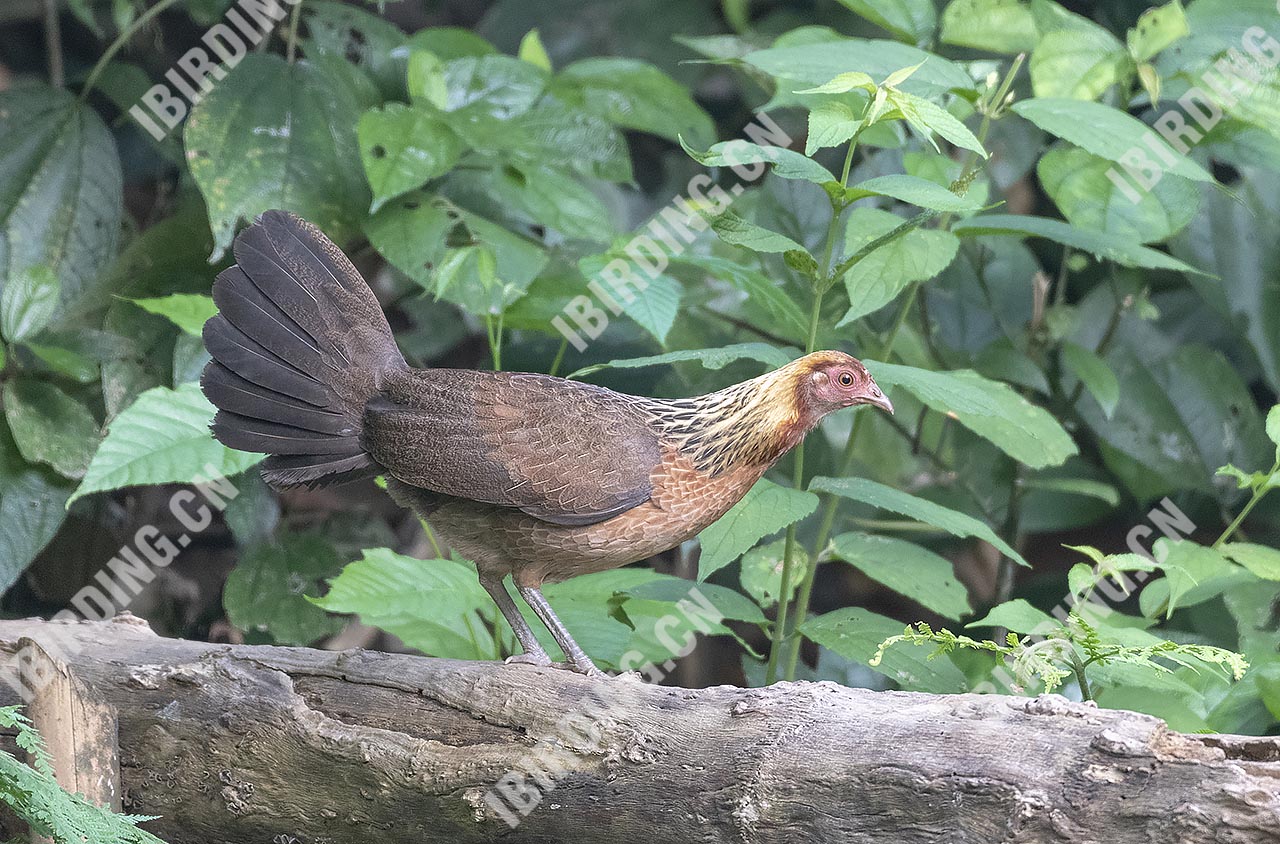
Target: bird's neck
[748, 424]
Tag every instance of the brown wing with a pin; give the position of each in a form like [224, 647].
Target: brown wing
[563, 452]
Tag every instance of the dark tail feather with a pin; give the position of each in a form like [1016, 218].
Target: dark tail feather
[299, 346]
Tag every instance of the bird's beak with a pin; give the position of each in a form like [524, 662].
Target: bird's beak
[878, 399]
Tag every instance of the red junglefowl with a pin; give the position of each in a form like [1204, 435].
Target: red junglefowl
[528, 475]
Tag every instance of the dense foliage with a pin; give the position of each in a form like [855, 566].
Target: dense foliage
[955, 208]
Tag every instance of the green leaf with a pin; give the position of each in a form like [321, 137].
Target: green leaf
[32, 508]
[910, 20]
[556, 199]
[761, 572]
[1106, 132]
[1258, 559]
[1095, 374]
[1077, 182]
[636, 95]
[926, 117]
[377, 47]
[1273, 426]
[852, 80]
[451, 42]
[717, 358]
[759, 289]
[1104, 245]
[49, 426]
[60, 192]
[163, 437]
[674, 590]
[410, 233]
[999, 26]
[906, 568]
[1076, 486]
[269, 588]
[28, 302]
[430, 605]
[1080, 60]
[654, 307]
[831, 123]
[1019, 616]
[916, 191]
[1157, 29]
[766, 509]
[819, 63]
[424, 79]
[990, 409]
[787, 163]
[1187, 565]
[188, 311]
[404, 147]
[275, 135]
[734, 230]
[856, 634]
[532, 51]
[877, 279]
[913, 507]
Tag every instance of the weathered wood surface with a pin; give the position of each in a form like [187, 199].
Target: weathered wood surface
[261, 744]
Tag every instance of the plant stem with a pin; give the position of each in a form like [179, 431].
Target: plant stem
[1077, 668]
[121, 39]
[559, 358]
[53, 43]
[292, 49]
[1244, 513]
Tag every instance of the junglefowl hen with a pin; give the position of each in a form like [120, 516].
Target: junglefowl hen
[528, 475]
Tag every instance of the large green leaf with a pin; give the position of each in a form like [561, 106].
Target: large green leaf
[906, 568]
[914, 507]
[766, 509]
[917, 255]
[268, 589]
[761, 571]
[410, 233]
[404, 147]
[27, 302]
[654, 308]
[60, 189]
[32, 508]
[789, 320]
[277, 135]
[163, 437]
[1019, 616]
[1106, 132]
[1077, 182]
[915, 191]
[50, 426]
[999, 26]
[910, 20]
[435, 606]
[343, 31]
[856, 634]
[1104, 244]
[735, 230]
[1095, 374]
[1261, 560]
[637, 95]
[1077, 59]
[787, 163]
[188, 311]
[991, 409]
[815, 64]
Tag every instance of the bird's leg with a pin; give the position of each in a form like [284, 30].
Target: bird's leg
[578, 658]
[533, 652]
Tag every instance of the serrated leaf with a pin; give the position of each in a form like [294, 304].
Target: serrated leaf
[1106, 132]
[163, 437]
[1258, 559]
[759, 288]
[268, 589]
[761, 572]
[1080, 62]
[734, 230]
[1102, 244]
[766, 509]
[831, 123]
[906, 568]
[916, 191]
[914, 507]
[916, 255]
[926, 118]
[787, 163]
[404, 147]
[852, 80]
[991, 409]
[653, 307]
[1095, 374]
[49, 426]
[277, 135]
[1019, 616]
[188, 311]
[29, 299]
[428, 604]
[1187, 565]
[856, 634]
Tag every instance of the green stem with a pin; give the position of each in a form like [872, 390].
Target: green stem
[1078, 669]
[559, 358]
[1244, 513]
[292, 50]
[53, 44]
[122, 39]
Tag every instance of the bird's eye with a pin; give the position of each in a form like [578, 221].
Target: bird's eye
[846, 379]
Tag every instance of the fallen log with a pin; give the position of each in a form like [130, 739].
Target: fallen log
[238, 744]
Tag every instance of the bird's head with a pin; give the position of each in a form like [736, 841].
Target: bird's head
[829, 381]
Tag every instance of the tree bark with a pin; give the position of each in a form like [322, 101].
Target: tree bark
[237, 744]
